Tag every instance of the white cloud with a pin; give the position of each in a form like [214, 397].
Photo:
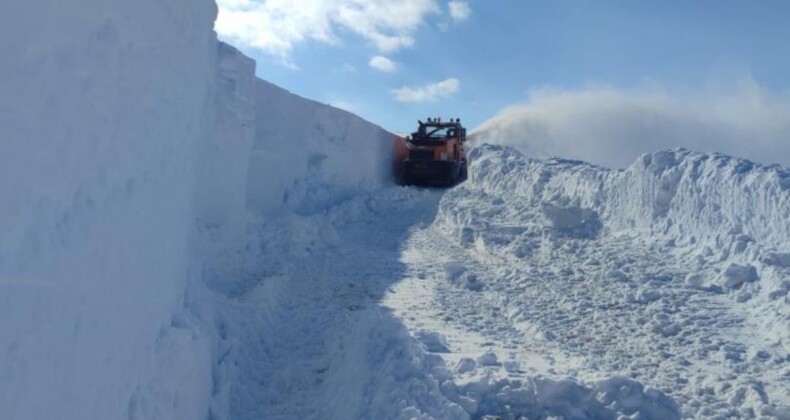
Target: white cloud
[459, 10]
[382, 63]
[276, 26]
[428, 93]
[613, 127]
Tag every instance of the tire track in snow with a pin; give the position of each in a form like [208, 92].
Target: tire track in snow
[314, 342]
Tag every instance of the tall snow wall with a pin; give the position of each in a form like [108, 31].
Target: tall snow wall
[301, 145]
[103, 104]
[126, 133]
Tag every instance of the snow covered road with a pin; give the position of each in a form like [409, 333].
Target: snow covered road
[308, 338]
[486, 300]
[353, 324]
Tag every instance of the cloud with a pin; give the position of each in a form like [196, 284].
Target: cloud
[612, 127]
[428, 93]
[276, 26]
[459, 10]
[382, 63]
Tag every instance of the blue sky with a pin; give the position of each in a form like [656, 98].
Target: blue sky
[490, 54]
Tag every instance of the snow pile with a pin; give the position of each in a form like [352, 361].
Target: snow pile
[677, 261]
[718, 208]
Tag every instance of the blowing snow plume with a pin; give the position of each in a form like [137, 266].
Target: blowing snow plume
[613, 127]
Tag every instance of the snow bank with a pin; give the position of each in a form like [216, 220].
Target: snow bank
[126, 132]
[102, 106]
[653, 262]
[720, 208]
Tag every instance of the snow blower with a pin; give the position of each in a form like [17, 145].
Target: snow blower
[433, 155]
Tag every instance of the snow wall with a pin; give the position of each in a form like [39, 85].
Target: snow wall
[127, 136]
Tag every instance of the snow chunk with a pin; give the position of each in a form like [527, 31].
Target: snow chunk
[629, 397]
[453, 270]
[647, 296]
[694, 280]
[487, 359]
[457, 273]
[570, 219]
[433, 342]
[465, 365]
[618, 275]
[781, 412]
[512, 366]
[736, 275]
[779, 259]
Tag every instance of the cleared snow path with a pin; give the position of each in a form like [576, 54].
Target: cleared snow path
[537, 289]
[306, 336]
[309, 330]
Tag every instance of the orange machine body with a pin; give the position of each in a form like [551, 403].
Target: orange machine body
[434, 155]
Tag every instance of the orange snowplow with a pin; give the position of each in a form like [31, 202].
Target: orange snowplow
[433, 155]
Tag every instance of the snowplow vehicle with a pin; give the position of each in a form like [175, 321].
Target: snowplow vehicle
[433, 155]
